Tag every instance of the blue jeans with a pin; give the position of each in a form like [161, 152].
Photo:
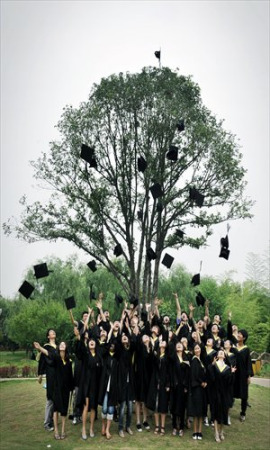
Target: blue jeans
[121, 414]
[107, 411]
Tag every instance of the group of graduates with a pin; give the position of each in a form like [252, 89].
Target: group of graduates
[191, 374]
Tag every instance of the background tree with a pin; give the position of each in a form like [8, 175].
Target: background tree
[109, 201]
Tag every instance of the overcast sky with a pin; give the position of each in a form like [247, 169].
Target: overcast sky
[53, 51]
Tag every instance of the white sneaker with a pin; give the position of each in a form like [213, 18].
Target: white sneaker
[242, 418]
[206, 422]
[229, 420]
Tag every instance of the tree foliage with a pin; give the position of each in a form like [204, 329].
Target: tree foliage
[127, 116]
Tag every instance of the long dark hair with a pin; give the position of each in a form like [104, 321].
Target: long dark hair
[67, 356]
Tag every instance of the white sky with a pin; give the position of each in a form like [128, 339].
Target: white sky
[53, 51]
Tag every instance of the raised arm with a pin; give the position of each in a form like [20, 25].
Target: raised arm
[73, 321]
[177, 304]
[41, 349]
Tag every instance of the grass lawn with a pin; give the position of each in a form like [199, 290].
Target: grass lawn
[21, 426]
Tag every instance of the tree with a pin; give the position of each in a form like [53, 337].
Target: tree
[110, 202]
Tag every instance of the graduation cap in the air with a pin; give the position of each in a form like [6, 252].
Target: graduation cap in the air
[118, 251]
[180, 233]
[119, 299]
[142, 164]
[156, 190]
[133, 300]
[41, 270]
[140, 214]
[87, 153]
[200, 300]
[224, 250]
[158, 54]
[196, 279]
[196, 196]
[92, 265]
[172, 154]
[70, 302]
[180, 125]
[167, 260]
[151, 254]
[26, 289]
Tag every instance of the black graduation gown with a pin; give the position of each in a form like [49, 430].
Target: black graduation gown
[90, 376]
[47, 366]
[179, 372]
[207, 359]
[64, 383]
[158, 397]
[244, 370]
[126, 388]
[109, 370]
[221, 393]
[197, 403]
[230, 360]
[142, 370]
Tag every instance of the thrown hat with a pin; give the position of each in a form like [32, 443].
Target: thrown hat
[26, 289]
[140, 214]
[180, 125]
[172, 154]
[142, 164]
[196, 279]
[87, 153]
[167, 260]
[118, 251]
[92, 265]
[156, 190]
[160, 207]
[200, 300]
[119, 299]
[70, 302]
[133, 300]
[196, 196]
[180, 233]
[158, 54]
[41, 270]
[151, 254]
[224, 250]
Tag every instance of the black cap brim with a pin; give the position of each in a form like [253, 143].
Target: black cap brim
[26, 289]
[41, 270]
[70, 303]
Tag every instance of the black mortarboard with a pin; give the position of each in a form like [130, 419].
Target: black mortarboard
[92, 265]
[180, 125]
[41, 270]
[200, 300]
[70, 302]
[156, 190]
[197, 196]
[157, 54]
[180, 233]
[142, 164]
[92, 295]
[133, 300]
[151, 254]
[26, 289]
[159, 207]
[172, 154]
[119, 299]
[167, 260]
[87, 153]
[118, 250]
[196, 279]
[224, 251]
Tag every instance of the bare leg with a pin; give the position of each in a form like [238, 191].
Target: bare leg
[84, 417]
[156, 416]
[162, 422]
[138, 412]
[103, 429]
[63, 426]
[145, 412]
[195, 424]
[92, 420]
[55, 422]
[216, 431]
[200, 424]
[108, 435]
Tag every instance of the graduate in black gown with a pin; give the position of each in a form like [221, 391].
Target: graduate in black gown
[230, 360]
[243, 373]
[62, 386]
[89, 380]
[197, 393]
[221, 376]
[46, 366]
[179, 371]
[158, 395]
[207, 356]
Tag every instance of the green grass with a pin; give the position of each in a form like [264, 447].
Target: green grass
[21, 426]
[17, 358]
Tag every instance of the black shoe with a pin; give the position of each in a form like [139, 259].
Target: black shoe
[115, 418]
[146, 425]
[139, 427]
[199, 436]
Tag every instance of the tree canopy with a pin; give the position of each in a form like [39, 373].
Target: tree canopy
[110, 202]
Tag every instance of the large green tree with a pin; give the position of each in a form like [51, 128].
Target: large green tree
[96, 208]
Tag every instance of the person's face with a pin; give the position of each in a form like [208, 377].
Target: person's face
[166, 320]
[145, 339]
[227, 345]
[240, 337]
[112, 348]
[51, 334]
[62, 346]
[200, 324]
[103, 334]
[194, 336]
[179, 347]
[221, 355]
[197, 350]
[116, 325]
[155, 330]
[163, 345]
[124, 340]
[214, 329]
[107, 315]
[184, 317]
[184, 342]
[84, 317]
[134, 321]
[209, 342]
[235, 329]
[217, 318]
[92, 344]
